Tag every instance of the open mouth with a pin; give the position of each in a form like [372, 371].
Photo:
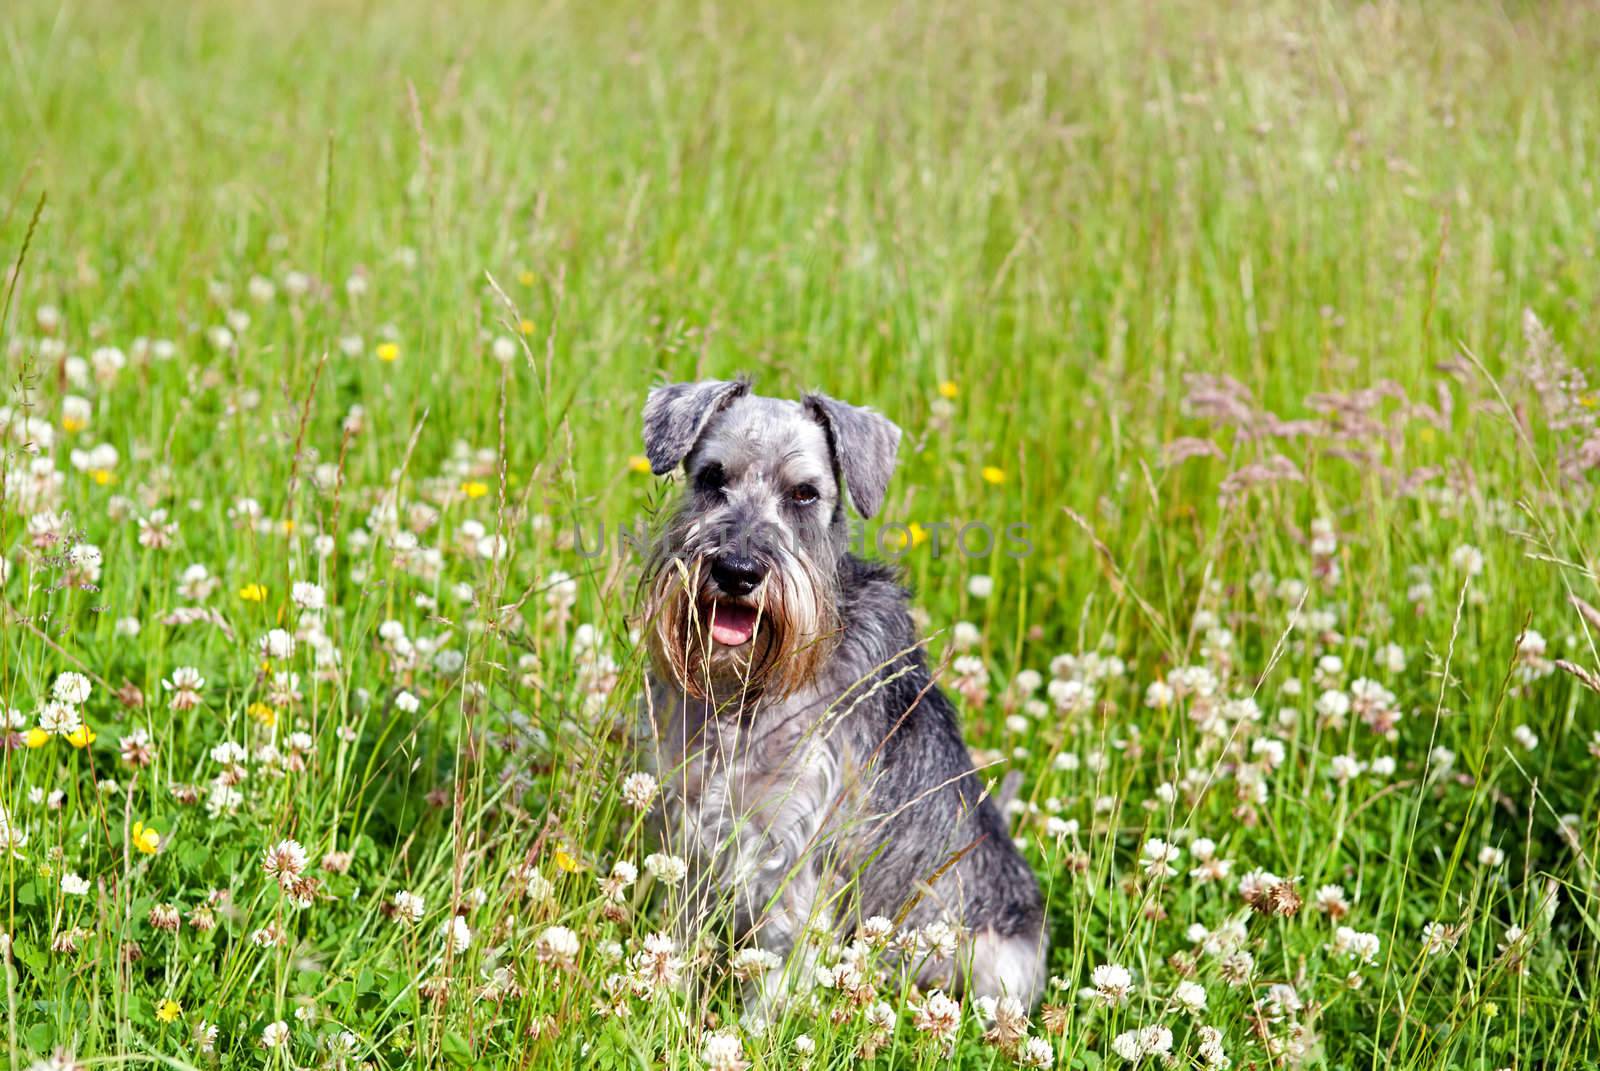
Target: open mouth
[732, 623]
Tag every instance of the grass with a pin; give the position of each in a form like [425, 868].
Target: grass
[1037, 236]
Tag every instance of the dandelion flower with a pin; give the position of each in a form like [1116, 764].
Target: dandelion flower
[253, 593]
[168, 1010]
[948, 389]
[993, 474]
[388, 352]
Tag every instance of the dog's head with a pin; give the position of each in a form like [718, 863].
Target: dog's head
[741, 587]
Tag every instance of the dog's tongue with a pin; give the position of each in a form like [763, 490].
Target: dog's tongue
[732, 625]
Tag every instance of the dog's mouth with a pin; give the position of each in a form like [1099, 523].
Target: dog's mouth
[732, 623]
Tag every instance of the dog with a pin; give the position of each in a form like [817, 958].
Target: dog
[811, 768]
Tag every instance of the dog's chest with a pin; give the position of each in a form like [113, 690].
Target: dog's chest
[752, 796]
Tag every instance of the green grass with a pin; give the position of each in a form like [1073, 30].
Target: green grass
[1065, 211]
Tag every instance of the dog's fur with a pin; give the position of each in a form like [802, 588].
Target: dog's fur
[815, 776]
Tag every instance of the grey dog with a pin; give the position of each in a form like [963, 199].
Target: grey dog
[815, 775]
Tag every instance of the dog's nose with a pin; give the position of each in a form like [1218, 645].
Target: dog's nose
[737, 574]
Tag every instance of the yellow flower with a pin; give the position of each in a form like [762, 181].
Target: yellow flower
[73, 424]
[81, 737]
[919, 534]
[102, 476]
[168, 1010]
[526, 327]
[1590, 400]
[253, 593]
[288, 525]
[1426, 435]
[991, 474]
[146, 839]
[640, 464]
[263, 714]
[1490, 1010]
[565, 861]
[388, 352]
[474, 488]
[948, 389]
[36, 737]
[526, 278]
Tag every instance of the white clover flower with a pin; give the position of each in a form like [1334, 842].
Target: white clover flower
[1159, 857]
[668, 869]
[1467, 559]
[408, 907]
[456, 934]
[723, 1051]
[308, 596]
[557, 945]
[275, 1034]
[73, 688]
[980, 586]
[406, 703]
[1112, 983]
[74, 885]
[639, 791]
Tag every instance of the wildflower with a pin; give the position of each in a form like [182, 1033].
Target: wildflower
[73, 885]
[308, 596]
[937, 1016]
[253, 593]
[71, 688]
[639, 791]
[994, 475]
[557, 946]
[168, 1010]
[285, 861]
[724, 1051]
[656, 965]
[474, 488]
[948, 389]
[35, 738]
[980, 586]
[1525, 738]
[205, 1036]
[1159, 857]
[1331, 901]
[1438, 938]
[804, 1046]
[749, 962]
[184, 684]
[1359, 946]
[457, 935]
[1190, 996]
[1112, 983]
[81, 737]
[275, 1034]
[145, 839]
[277, 644]
[640, 464]
[668, 869]
[165, 918]
[388, 352]
[1467, 559]
[1010, 1023]
[406, 703]
[408, 907]
[1489, 855]
[1135, 1045]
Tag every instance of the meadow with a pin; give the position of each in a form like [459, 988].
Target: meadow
[327, 327]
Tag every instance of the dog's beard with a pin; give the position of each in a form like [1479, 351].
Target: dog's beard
[765, 646]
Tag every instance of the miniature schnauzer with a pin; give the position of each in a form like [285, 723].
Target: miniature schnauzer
[814, 774]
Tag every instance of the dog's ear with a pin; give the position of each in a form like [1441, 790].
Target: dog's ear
[864, 445]
[676, 414]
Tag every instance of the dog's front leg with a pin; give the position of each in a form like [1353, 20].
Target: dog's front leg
[794, 928]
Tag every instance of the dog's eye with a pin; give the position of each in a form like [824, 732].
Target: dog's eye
[803, 494]
[710, 478]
